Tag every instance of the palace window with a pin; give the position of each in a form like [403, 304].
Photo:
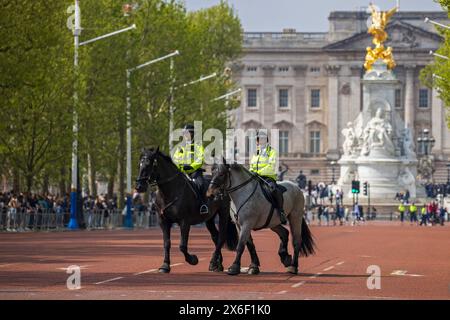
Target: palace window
[284, 142]
[315, 98]
[283, 98]
[314, 142]
[423, 98]
[252, 98]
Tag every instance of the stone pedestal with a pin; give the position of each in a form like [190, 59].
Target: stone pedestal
[382, 153]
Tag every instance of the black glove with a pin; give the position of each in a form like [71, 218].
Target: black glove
[187, 167]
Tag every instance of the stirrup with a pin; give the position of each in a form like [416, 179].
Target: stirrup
[204, 209]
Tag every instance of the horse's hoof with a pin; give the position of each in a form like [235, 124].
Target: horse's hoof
[219, 268]
[192, 260]
[287, 260]
[292, 270]
[165, 268]
[253, 270]
[212, 266]
[234, 270]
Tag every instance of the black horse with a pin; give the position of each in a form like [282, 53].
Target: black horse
[178, 202]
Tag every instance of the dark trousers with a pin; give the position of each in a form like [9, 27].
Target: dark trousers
[276, 194]
[199, 182]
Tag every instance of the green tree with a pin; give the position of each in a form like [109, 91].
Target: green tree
[441, 67]
[34, 86]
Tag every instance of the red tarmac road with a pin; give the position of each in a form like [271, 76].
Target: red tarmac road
[414, 263]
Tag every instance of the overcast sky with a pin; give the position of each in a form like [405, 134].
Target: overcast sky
[303, 15]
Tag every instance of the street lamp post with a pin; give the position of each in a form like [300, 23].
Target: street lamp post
[333, 169]
[448, 174]
[128, 218]
[427, 20]
[172, 90]
[73, 223]
[425, 142]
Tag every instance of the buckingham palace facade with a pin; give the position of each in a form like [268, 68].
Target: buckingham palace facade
[308, 86]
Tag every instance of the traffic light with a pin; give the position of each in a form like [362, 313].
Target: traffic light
[355, 186]
[365, 188]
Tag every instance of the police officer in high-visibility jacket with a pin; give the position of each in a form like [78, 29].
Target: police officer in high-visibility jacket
[189, 159]
[263, 163]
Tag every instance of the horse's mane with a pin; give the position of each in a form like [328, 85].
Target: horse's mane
[165, 157]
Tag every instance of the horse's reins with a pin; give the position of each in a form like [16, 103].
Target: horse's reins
[235, 188]
[165, 181]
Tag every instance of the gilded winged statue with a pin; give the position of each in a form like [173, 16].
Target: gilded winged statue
[380, 20]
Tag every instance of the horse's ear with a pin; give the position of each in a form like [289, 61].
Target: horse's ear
[157, 149]
[224, 161]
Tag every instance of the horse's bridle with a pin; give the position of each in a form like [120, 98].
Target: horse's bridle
[230, 189]
[154, 178]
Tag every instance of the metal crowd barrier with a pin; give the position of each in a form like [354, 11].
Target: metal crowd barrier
[12, 220]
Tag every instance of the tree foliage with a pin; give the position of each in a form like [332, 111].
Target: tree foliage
[441, 67]
[37, 82]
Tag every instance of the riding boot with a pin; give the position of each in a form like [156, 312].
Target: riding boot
[199, 182]
[279, 200]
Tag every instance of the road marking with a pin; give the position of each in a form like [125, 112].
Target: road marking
[316, 275]
[340, 263]
[7, 264]
[282, 292]
[404, 273]
[81, 267]
[298, 284]
[176, 264]
[147, 271]
[329, 268]
[110, 280]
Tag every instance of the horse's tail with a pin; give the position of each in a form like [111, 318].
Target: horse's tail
[232, 235]
[307, 246]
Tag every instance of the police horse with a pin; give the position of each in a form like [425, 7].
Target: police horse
[178, 202]
[254, 211]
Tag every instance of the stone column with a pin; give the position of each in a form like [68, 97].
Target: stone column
[267, 103]
[437, 120]
[300, 110]
[409, 97]
[333, 105]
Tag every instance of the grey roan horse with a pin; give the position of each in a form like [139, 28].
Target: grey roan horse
[177, 202]
[253, 212]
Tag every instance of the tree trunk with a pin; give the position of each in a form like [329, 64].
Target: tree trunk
[62, 182]
[121, 160]
[92, 176]
[16, 181]
[45, 183]
[112, 177]
[29, 182]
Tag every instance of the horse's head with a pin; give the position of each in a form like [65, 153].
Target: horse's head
[220, 177]
[147, 169]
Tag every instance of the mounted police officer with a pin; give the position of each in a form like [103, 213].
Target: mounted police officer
[263, 163]
[189, 159]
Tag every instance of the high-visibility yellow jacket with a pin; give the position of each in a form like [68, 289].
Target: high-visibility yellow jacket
[412, 208]
[401, 208]
[189, 155]
[424, 211]
[264, 161]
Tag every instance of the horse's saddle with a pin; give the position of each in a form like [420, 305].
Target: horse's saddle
[269, 194]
